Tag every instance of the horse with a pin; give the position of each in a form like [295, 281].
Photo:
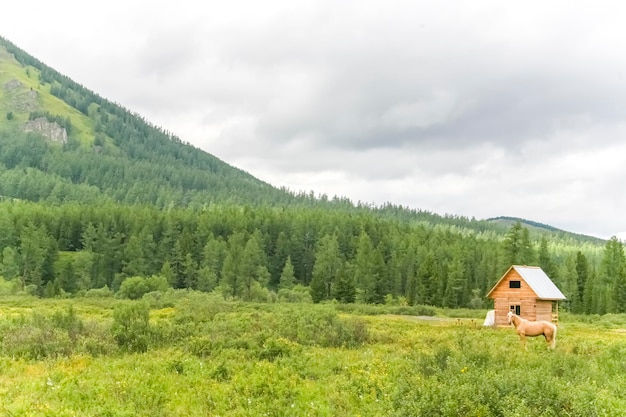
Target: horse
[533, 328]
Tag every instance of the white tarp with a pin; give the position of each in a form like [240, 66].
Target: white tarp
[490, 319]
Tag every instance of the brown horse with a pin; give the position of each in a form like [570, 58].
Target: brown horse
[533, 328]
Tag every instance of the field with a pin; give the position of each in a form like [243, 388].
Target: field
[187, 354]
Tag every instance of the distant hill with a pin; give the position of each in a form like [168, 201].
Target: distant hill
[540, 228]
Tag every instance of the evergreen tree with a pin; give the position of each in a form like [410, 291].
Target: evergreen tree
[177, 264]
[232, 274]
[83, 265]
[364, 270]
[518, 249]
[345, 288]
[166, 272]
[10, 267]
[327, 264]
[32, 252]
[190, 272]
[212, 257]
[253, 263]
[527, 254]
[380, 278]
[135, 262]
[207, 279]
[317, 288]
[582, 276]
[544, 258]
[287, 277]
[455, 284]
[612, 274]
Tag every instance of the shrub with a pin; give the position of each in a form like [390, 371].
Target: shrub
[103, 292]
[97, 340]
[274, 348]
[324, 328]
[131, 326]
[69, 322]
[298, 294]
[36, 342]
[8, 287]
[133, 288]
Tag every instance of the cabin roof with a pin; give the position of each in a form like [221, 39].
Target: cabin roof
[537, 280]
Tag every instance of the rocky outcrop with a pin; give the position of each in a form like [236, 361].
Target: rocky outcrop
[49, 130]
[12, 85]
[20, 97]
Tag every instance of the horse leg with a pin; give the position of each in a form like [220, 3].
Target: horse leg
[522, 339]
[550, 339]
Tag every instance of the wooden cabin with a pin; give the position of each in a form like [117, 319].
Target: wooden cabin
[528, 292]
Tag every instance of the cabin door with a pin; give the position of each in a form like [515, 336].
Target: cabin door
[516, 309]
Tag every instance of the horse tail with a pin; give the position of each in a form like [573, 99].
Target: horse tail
[553, 344]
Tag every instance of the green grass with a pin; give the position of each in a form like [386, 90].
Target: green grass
[214, 358]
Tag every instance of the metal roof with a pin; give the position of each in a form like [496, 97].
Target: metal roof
[540, 283]
[537, 280]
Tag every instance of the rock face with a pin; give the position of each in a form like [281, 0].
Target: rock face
[50, 130]
[20, 97]
[12, 85]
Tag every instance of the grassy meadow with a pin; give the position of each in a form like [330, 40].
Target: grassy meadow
[188, 354]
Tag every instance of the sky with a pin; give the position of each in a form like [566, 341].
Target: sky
[466, 107]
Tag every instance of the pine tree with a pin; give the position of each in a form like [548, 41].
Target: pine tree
[10, 267]
[582, 276]
[363, 268]
[287, 277]
[326, 268]
[190, 272]
[612, 274]
[345, 287]
[517, 246]
[213, 257]
[232, 273]
[455, 284]
[32, 251]
[545, 261]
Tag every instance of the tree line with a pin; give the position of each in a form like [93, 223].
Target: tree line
[260, 253]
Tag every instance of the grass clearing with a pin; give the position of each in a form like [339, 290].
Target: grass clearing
[209, 357]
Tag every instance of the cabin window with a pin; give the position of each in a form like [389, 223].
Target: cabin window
[516, 310]
[515, 284]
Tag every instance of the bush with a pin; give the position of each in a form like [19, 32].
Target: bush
[274, 348]
[135, 288]
[322, 327]
[8, 287]
[298, 294]
[131, 326]
[36, 342]
[69, 322]
[40, 337]
[103, 292]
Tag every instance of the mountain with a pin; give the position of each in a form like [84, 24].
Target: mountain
[61, 142]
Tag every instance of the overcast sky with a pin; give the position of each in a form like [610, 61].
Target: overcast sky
[473, 108]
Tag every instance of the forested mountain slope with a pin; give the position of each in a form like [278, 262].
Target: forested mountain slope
[107, 153]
